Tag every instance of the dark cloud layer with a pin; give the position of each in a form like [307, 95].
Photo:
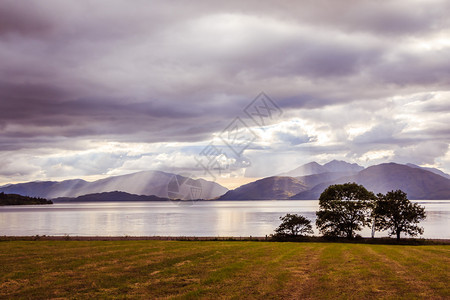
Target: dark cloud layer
[76, 72]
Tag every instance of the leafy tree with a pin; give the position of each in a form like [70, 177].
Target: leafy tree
[396, 213]
[294, 225]
[344, 209]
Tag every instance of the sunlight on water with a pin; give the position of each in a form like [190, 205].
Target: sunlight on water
[216, 218]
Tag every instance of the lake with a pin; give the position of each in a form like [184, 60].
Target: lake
[205, 218]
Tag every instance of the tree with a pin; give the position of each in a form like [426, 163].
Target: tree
[294, 225]
[396, 213]
[344, 209]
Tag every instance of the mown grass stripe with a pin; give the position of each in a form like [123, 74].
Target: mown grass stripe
[232, 270]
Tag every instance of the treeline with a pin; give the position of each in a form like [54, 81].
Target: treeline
[14, 199]
[347, 208]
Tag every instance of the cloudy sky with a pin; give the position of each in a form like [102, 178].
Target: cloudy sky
[90, 89]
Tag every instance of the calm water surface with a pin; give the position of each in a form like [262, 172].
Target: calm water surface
[216, 218]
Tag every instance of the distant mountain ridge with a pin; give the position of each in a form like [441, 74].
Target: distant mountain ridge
[433, 170]
[313, 168]
[155, 183]
[418, 183]
[305, 170]
[285, 186]
[342, 166]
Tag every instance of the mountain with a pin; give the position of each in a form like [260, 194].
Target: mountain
[434, 170]
[417, 183]
[109, 196]
[276, 187]
[313, 168]
[156, 183]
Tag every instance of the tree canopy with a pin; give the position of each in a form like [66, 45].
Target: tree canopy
[394, 212]
[294, 225]
[344, 209]
[15, 199]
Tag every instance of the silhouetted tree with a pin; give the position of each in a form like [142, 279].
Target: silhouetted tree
[294, 225]
[396, 213]
[344, 209]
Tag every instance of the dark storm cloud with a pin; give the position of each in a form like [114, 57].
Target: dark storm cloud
[15, 19]
[121, 120]
[158, 71]
[415, 69]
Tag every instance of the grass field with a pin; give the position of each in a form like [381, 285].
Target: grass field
[190, 270]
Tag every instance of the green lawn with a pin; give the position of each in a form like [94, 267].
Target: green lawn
[216, 269]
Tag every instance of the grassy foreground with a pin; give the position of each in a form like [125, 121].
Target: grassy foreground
[177, 269]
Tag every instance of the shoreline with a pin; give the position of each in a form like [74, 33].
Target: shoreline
[380, 240]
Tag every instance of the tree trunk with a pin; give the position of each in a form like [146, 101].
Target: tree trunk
[398, 235]
[349, 234]
[373, 229]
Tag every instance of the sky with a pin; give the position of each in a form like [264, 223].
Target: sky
[90, 89]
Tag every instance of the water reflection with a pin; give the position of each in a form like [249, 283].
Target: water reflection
[224, 218]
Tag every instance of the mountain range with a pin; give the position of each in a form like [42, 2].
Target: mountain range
[156, 183]
[306, 182]
[417, 182]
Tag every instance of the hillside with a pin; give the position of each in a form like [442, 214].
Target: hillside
[276, 187]
[14, 199]
[433, 170]
[417, 183]
[155, 183]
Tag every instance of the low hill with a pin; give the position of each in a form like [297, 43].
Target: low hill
[15, 199]
[276, 187]
[417, 183]
[109, 196]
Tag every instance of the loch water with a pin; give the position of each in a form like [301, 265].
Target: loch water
[202, 218]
